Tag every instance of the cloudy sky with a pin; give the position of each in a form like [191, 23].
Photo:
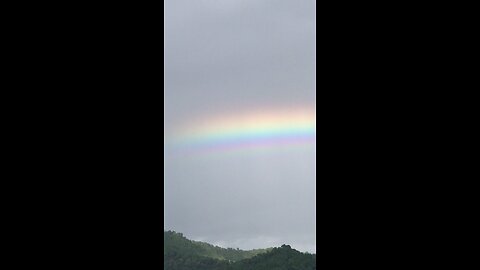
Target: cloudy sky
[239, 113]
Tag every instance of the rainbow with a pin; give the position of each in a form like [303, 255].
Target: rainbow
[251, 129]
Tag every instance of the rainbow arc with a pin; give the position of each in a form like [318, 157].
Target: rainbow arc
[252, 129]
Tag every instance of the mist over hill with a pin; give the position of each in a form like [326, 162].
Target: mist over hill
[181, 253]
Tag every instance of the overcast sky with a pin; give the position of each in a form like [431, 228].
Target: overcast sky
[232, 57]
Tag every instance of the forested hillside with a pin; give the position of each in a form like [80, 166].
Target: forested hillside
[283, 258]
[181, 253]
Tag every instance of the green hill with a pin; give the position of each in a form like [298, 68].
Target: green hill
[283, 258]
[176, 242]
[181, 253]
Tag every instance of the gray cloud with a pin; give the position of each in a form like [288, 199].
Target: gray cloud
[237, 55]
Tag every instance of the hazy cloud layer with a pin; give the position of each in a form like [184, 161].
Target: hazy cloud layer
[233, 56]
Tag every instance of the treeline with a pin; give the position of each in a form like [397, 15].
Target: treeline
[181, 253]
[283, 258]
[176, 242]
